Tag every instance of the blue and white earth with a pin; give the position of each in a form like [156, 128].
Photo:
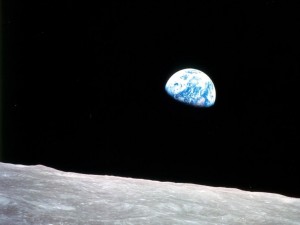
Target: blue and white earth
[192, 87]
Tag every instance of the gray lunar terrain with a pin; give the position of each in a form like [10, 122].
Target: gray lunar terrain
[42, 195]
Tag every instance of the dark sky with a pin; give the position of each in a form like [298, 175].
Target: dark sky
[83, 90]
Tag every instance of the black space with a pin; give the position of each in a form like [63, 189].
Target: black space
[83, 90]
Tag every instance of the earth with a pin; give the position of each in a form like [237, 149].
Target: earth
[192, 87]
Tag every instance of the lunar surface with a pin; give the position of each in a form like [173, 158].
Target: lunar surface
[41, 195]
[192, 87]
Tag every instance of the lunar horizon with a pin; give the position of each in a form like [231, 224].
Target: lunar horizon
[38, 194]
